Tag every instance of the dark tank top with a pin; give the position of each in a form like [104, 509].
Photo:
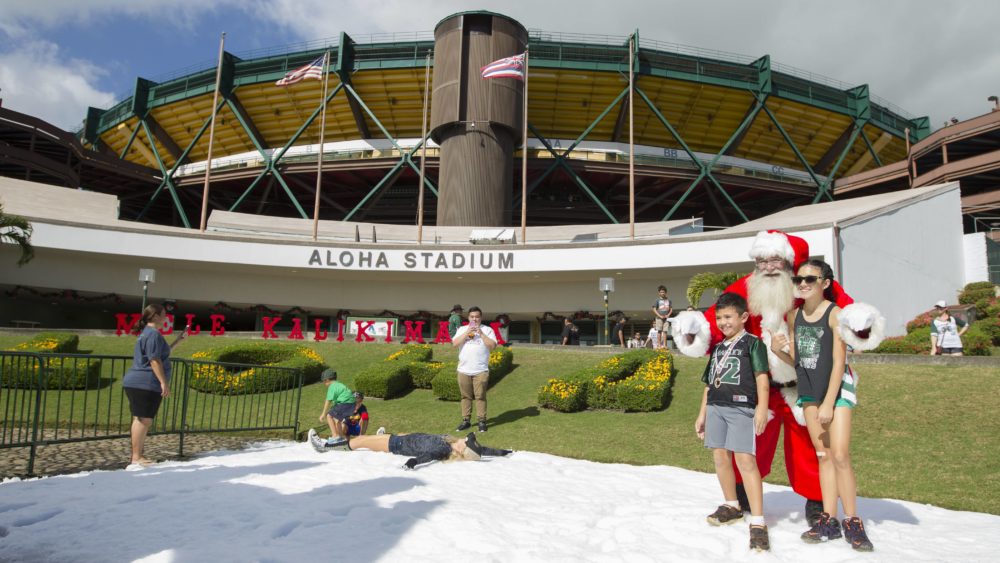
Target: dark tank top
[814, 354]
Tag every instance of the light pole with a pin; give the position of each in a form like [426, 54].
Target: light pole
[146, 276]
[607, 285]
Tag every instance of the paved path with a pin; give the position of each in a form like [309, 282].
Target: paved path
[112, 454]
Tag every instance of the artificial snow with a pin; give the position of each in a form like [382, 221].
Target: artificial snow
[283, 501]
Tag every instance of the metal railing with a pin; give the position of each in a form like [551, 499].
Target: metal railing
[50, 399]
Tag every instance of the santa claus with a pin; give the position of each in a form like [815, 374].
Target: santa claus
[770, 294]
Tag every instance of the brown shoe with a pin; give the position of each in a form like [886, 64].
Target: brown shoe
[725, 514]
[758, 538]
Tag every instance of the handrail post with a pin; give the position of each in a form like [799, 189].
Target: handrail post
[298, 405]
[36, 418]
[184, 404]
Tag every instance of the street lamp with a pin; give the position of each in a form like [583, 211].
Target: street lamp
[607, 285]
[146, 276]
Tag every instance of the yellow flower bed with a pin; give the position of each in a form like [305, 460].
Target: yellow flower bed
[248, 368]
[646, 388]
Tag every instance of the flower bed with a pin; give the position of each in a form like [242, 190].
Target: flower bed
[50, 343]
[445, 384]
[56, 372]
[636, 381]
[226, 380]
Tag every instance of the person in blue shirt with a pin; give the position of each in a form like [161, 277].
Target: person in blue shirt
[147, 382]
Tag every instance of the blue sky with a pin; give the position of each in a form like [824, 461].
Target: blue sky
[57, 57]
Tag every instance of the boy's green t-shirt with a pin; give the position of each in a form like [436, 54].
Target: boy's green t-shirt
[338, 393]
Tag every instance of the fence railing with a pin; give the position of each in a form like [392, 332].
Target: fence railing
[63, 398]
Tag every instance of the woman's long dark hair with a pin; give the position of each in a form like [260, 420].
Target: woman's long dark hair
[825, 272]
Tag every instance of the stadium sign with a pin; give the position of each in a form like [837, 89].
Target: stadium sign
[355, 259]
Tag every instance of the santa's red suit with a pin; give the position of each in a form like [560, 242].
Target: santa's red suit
[861, 326]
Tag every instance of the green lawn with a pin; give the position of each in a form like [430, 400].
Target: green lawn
[922, 433]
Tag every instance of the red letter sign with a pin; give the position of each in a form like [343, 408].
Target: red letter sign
[414, 333]
[319, 334]
[388, 331]
[296, 333]
[442, 335]
[195, 329]
[126, 323]
[495, 325]
[269, 324]
[217, 328]
[363, 331]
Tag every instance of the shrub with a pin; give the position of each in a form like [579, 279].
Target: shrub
[975, 342]
[900, 345]
[384, 380]
[979, 292]
[990, 327]
[501, 363]
[50, 342]
[922, 320]
[423, 373]
[639, 380]
[235, 380]
[445, 384]
[57, 373]
[412, 353]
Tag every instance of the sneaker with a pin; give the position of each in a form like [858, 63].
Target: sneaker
[826, 529]
[725, 514]
[318, 444]
[465, 424]
[758, 538]
[814, 508]
[380, 431]
[854, 533]
[482, 426]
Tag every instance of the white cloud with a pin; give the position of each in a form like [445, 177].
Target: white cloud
[37, 81]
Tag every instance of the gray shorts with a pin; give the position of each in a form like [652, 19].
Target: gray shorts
[341, 411]
[730, 428]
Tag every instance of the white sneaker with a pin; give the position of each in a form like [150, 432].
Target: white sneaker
[380, 431]
[135, 467]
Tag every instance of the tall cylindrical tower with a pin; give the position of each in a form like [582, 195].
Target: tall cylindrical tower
[476, 122]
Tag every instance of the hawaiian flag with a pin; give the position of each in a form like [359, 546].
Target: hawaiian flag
[311, 70]
[510, 67]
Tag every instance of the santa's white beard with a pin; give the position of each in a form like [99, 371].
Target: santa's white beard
[770, 297]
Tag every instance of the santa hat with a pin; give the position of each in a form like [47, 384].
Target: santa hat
[770, 244]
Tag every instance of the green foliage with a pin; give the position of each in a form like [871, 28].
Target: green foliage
[445, 383]
[50, 342]
[922, 320]
[211, 377]
[15, 229]
[990, 327]
[700, 283]
[412, 353]
[423, 373]
[975, 342]
[638, 380]
[57, 373]
[384, 380]
[980, 292]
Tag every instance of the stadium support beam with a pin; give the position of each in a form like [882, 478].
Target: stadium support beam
[161, 135]
[791, 144]
[859, 103]
[826, 161]
[249, 126]
[312, 190]
[705, 168]
[166, 177]
[343, 68]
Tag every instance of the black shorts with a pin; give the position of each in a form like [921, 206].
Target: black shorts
[341, 411]
[144, 403]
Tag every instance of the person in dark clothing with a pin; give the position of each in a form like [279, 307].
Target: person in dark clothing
[422, 448]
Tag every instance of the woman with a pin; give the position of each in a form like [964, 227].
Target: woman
[147, 382]
[946, 332]
[423, 448]
[827, 393]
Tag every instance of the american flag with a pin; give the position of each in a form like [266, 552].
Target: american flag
[510, 67]
[311, 70]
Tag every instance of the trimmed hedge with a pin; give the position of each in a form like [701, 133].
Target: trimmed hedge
[423, 373]
[226, 380]
[636, 381]
[50, 343]
[58, 373]
[384, 380]
[445, 384]
[412, 353]
[975, 342]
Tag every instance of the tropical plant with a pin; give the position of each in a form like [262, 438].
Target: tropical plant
[15, 229]
[717, 281]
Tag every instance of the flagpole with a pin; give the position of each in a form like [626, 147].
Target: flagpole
[322, 131]
[423, 151]
[631, 139]
[211, 135]
[524, 155]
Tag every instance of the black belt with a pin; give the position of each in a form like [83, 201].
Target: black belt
[787, 385]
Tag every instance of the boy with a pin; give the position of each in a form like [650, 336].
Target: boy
[338, 406]
[357, 423]
[733, 412]
[662, 309]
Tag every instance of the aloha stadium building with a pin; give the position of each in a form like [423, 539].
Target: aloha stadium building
[305, 200]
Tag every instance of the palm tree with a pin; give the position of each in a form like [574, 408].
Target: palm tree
[700, 283]
[17, 230]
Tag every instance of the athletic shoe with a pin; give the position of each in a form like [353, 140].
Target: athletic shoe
[318, 444]
[725, 514]
[826, 529]
[332, 443]
[380, 431]
[814, 509]
[854, 533]
[465, 424]
[758, 538]
[482, 426]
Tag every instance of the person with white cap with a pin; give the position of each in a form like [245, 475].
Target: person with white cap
[946, 332]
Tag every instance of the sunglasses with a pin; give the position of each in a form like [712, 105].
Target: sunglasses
[808, 279]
